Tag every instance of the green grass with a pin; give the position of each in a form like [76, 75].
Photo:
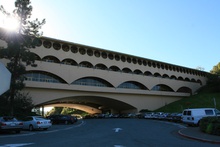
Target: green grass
[203, 99]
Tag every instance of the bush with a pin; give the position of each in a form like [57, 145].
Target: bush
[210, 125]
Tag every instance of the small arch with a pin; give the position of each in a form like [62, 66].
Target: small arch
[154, 64]
[165, 76]
[126, 70]
[97, 54]
[56, 46]
[184, 90]
[157, 75]
[134, 60]
[158, 65]
[89, 52]
[180, 78]
[69, 62]
[65, 47]
[74, 49]
[132, 85]
[110, 56]
[148, 73]
[114, 68]
[173, 77]
[166, 66]
[51, 59]
[170, 68]
[41, 76]
[128, 59]
[123, 59]
[117, 57]
[92, 81]
[187, 79]
[101, 66]
[162, 87]
[138, 72]
[144, 62]
[82, 51]
[139, 61]
[193, 80]
[104, 55]
[37, 57]
[199, 81]
[47, 44]
[85, 64]
[37, 42]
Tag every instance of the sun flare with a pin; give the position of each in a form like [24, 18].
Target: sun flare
[9, 23]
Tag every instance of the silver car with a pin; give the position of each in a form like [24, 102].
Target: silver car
[9, 123]
[36, 123]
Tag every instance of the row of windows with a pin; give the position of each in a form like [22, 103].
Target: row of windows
[93, 81]
[112, 56]
[114, 68]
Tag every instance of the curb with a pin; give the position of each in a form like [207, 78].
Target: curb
[196, 138]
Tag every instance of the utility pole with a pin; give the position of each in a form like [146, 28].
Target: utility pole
[214, 102]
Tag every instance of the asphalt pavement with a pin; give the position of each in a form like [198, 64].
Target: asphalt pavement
[196, 134]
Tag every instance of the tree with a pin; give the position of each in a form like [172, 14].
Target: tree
[216, 69]
[18, 44]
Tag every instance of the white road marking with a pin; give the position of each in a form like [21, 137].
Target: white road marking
[117, 129]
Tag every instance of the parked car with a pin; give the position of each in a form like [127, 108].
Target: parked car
[177, 117]
[62, 119]
[9, 123]
[36, 122]
[193, 116]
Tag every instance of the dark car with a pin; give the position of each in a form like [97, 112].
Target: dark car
[62, 119]
[10, 123]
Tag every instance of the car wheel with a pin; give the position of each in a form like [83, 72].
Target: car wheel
[31, 128]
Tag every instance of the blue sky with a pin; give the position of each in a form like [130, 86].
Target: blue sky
[180, 32]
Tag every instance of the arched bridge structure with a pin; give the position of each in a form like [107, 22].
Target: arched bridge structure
[96, 80]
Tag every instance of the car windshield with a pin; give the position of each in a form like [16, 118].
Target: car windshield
[217, 112]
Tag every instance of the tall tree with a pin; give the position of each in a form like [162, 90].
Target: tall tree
[216, 69]
[18, 44]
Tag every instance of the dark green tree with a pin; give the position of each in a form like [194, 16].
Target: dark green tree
[216, 69]
[18, 44]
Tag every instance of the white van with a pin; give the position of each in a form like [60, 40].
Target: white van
[193, 116]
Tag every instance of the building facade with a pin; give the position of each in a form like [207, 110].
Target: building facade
[97, 80]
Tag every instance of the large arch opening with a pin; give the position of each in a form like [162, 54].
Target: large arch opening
[91, 104]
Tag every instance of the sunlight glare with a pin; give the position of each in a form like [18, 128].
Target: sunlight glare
[10, 23]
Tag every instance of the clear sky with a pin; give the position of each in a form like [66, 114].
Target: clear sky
[180, 32]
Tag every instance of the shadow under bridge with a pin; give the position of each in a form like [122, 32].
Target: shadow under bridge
[91, 104]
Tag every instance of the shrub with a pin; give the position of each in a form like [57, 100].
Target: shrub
[210, 125]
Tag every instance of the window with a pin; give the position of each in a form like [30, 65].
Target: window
[209, 112]
[187, 113]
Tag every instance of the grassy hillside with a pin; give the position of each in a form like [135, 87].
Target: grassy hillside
[204, 98]
[200, 100]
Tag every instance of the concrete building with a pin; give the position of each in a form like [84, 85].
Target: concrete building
[97, 80]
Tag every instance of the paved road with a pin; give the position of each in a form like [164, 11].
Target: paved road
[105, 133]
